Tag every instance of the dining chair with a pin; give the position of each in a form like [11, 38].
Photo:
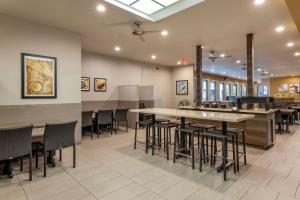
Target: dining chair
[57, 137]
[120, 116]
[16, 143]
[87, 121]
[104, 118]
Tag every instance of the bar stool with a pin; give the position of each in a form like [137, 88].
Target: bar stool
[205, 128]
[156, 142]
[214, 136]
[147, 124]
[183, 148]
[235, 132]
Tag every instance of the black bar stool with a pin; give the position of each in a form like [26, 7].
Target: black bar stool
[235, 132]
[147, 124]
[183, 148]
[214, 136]
[157, 142]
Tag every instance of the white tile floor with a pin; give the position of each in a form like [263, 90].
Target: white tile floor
[108, 168]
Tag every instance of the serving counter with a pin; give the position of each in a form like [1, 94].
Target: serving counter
[259, 131]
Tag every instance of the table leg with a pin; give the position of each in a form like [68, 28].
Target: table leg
[224, 151]
[8, 169]
[182, 137]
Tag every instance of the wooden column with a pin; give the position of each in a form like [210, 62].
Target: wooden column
[250, 64]
[198, 75]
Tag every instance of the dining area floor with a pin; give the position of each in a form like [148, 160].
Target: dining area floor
[108, 168]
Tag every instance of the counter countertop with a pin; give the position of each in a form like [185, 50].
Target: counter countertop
[252, 111]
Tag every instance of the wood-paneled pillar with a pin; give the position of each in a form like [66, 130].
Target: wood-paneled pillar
[198, 75]
[250, 64]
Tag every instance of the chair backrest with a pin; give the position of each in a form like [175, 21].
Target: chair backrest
[142, 105]
[278, 116]
[121, 115]
[105, 116]
[15, 142]
[87, 118]
[60, 135]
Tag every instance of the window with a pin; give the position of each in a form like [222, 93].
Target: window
[266, 90]
[228, 89]
[222, 91]
[262, 90]
[244, 90]
[213, 91]
[204, 90]
[240, 90]
[234, 89]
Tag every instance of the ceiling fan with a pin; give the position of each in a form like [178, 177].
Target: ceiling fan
[213, 57]
[137, 30]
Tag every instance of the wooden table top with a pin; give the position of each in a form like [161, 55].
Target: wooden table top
[204, 115]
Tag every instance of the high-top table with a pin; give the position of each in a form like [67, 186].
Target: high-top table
[202, 115]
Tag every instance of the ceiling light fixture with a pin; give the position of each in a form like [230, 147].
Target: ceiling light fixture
[117, 48]
[153, 57]
[259, 69]
[266, 72]
[297, 54]
[279, 29]
[238, 61]
[178, 62]
[222, 55]
[164, 33]
[290, 44]
[259, 2]
[101, 8]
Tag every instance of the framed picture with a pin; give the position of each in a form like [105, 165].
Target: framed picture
[39, 76]
[85, 84]
[100, 85]
[182, 87]
[294, 88]
[283, 88]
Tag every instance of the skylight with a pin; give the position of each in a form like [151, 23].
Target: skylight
[154, 10]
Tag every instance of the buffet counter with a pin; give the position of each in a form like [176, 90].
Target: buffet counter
[260, 131]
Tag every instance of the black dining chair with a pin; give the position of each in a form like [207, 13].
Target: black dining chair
[87, 121]
[57, 137]
[104, 118]
[16, 143]
[121, 116]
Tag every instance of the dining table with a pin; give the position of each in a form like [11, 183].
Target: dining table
[223, 117]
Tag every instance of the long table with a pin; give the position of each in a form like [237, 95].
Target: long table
[202, 115]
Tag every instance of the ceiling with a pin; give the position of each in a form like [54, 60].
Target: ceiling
[218, 25]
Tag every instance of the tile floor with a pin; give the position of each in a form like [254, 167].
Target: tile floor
[108, 168]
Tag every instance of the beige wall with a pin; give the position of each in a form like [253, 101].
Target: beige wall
[276, 81]
[18, 36]
[120, 72]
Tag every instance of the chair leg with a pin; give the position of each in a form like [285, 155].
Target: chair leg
[175, 143]
[30, 166]
[244, 148]
[237, 153]
[36, 155]
[60, 154]
[116, 127]
[111, 128]
[207, 158]
[153, 139]
[74, 156]
[167, 143]
[201, 153]
[193, 152]
[126, 126]
[21, 164]
[135, 135]
[211, 151]
[233, 153]
[215, 150]
[92, 132]
[224, 152]
[147, 138]
[45, 163]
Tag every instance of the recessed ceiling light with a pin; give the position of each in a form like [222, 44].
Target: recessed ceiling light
[297, 54]
[272, 74]
[290, 44]
[238, 61]
[259, 2]
[259, 69]
[279, 29]
[202, 47]
[212, 70]
[117, 48]
[164, 33]
[266, 72]
[222, 55]
[178, 62]
[101, 8]
[153, 57]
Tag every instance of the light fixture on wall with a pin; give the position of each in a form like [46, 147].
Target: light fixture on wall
[153, 57]
[101, 8]
[117, 48]
[164, 33]
[178, 62]
[238, 61]
[297, 54]
[222, 55]
[259, 69]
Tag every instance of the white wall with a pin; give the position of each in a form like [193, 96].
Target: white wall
[124, 72]
[182, 73]
[18, 36]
